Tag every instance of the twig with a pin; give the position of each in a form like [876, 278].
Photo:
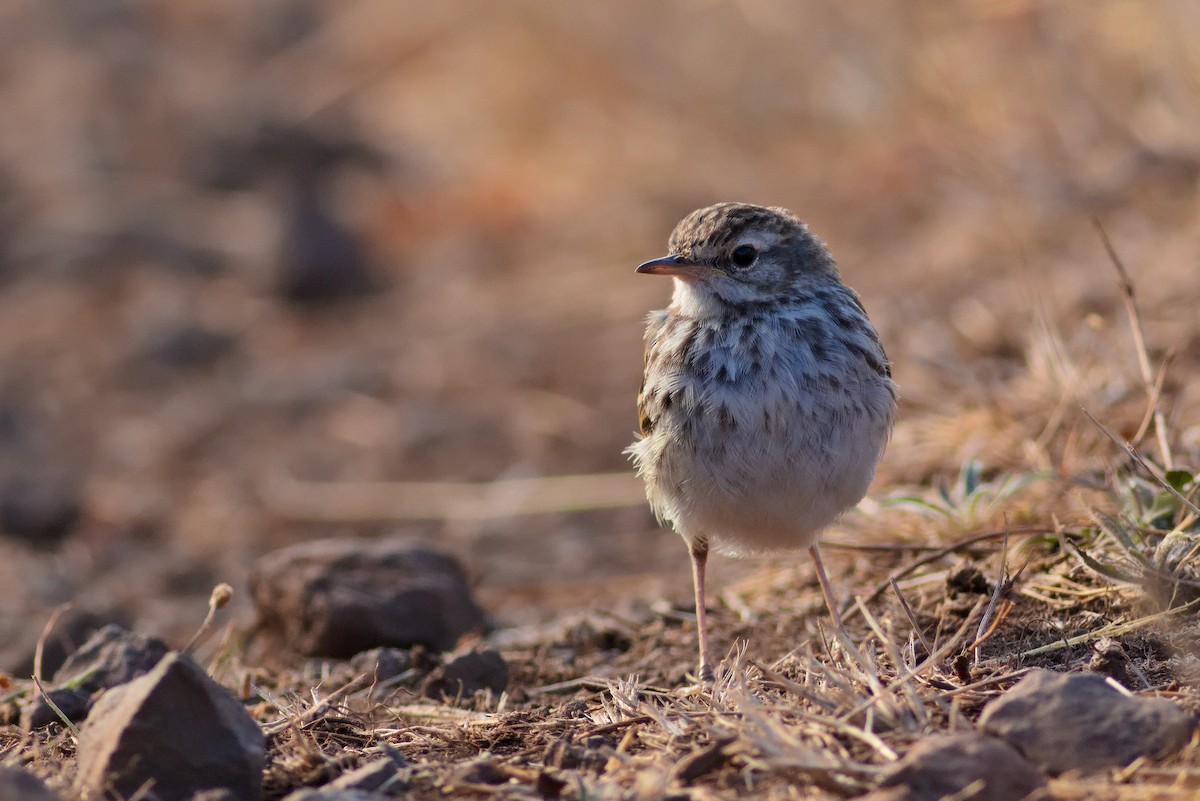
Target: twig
[931, 660]
[990, 680]
[848, 612]
[616, 726]
[1142, 463]
[912, 619]
[66, 721]
[1139, 342]
[570, 686]
[1152, 404]
[316, 710]
[40, 649]
[1112, 630]
[1003, 585]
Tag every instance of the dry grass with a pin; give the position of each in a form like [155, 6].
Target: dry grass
[956, 157]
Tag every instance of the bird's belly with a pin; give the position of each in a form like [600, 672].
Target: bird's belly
[778, 474]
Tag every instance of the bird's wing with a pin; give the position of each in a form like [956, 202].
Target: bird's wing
[647, 416]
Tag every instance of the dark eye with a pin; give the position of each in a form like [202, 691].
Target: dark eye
[744, 255]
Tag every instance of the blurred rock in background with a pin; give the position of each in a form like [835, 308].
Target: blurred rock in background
[185, 187]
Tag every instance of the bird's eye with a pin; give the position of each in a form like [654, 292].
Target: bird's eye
[744, 255]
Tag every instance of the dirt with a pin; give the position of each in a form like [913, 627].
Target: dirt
[170, 410]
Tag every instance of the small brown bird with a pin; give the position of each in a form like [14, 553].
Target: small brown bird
[767, 398]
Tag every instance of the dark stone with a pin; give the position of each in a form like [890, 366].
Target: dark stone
[382, 663]
[215, 794]
[111, 656]
[185, 346]
[320, 260]
[328, 794]
[968, 580]
[1081, 722]
[174, 727]
[1110, 659]
[74, 704]
[943, 765]
[41, 510]
[377, 776]
[21, 785]
[336, 598]
[467, 674]
[71, 630]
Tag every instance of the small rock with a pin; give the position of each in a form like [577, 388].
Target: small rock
[1078, 721]
[21, 785]
[382, 663]
[74, 704]
[1109, 658]
[1174, 581]
[465, 675]
[185, 346]
[73, 628]
[328, 794]
[945, 764]
[175, 727]
[41, 510]
[590, 755]
[111, 656]
[336, 598]
[10, 713]
[968, 580]
[320, 259]
[370, 778]
[215, 794]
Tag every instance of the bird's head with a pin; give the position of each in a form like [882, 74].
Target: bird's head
[741, 253]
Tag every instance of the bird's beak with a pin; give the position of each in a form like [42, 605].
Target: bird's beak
[674, 265]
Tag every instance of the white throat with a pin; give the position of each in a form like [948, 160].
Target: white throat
[696, 299]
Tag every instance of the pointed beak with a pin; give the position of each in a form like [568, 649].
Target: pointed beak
[673, 265]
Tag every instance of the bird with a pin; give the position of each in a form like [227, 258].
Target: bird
[767, 398]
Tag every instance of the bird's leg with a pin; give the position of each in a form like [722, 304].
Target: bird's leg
[699, 550]
[826, 590]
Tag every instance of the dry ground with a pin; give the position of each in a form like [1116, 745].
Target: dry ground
[954, 155]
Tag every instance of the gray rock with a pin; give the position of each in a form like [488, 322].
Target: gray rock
[215, 794]
[38, 712]
[72, 629]
[176, 728]
[371, 777]
[111, 656]
[336, 598]
[1080, 722]
[21, 785]
[40, 509]
[466, 674]
[382, 663]
[328, 794]
[945, 764]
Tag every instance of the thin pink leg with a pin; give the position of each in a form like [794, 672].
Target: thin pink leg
[699, 551]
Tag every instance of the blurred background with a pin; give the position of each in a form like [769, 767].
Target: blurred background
[264, 264]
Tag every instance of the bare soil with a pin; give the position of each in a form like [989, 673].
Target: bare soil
[515, 161]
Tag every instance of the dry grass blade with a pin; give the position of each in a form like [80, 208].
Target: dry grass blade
[916, 564]
[40, 650]
[1139, 342]
[1151, 471]
[912, 619]
[1113, 630]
